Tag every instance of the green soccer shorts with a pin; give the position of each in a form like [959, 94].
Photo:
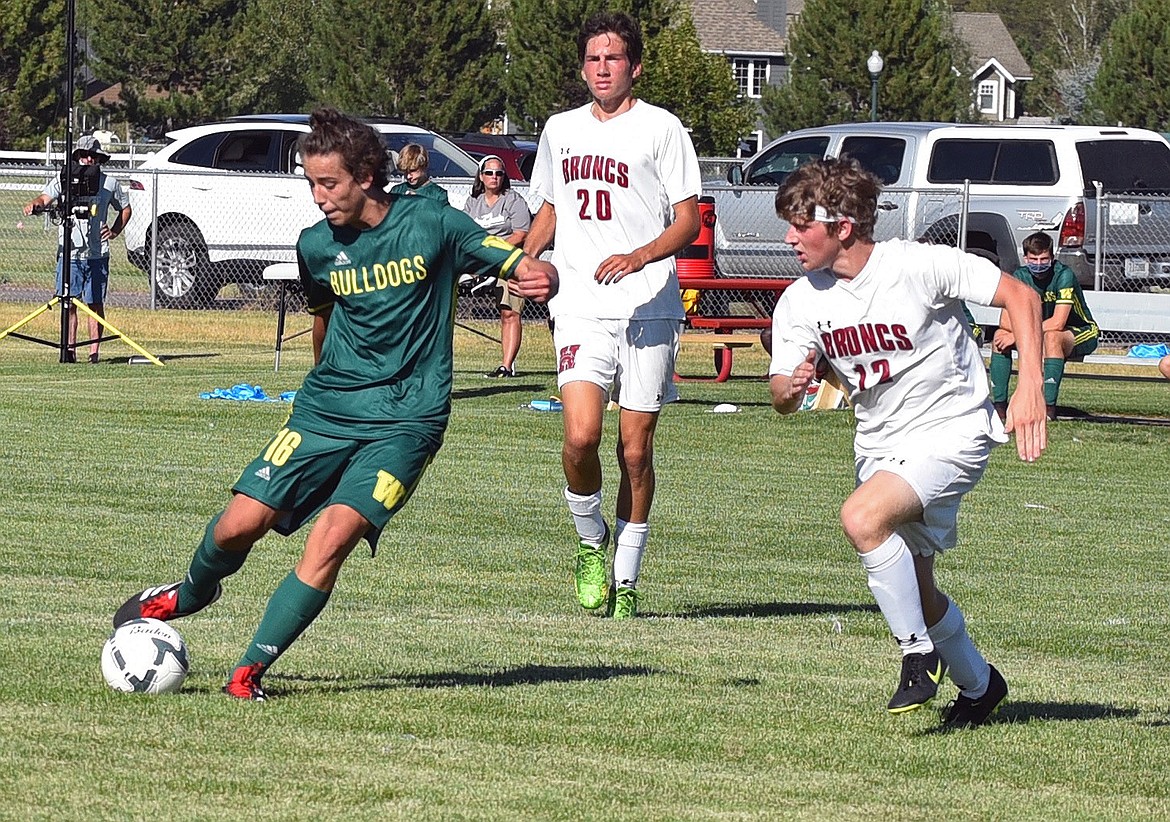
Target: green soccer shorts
[300, 472]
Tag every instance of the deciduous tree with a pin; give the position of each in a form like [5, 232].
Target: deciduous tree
[697, 87]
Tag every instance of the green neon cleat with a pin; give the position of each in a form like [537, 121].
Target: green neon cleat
[590, 576]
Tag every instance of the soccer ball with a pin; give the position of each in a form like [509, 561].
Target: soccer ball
[145, 656]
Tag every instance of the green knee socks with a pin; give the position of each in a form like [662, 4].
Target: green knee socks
[209, 565]
[1001, 374]
[1053, 374]
[291, 609]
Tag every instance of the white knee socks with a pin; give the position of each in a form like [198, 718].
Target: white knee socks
[890, 569]
[627, 557]
[968, 668]
[586, 511]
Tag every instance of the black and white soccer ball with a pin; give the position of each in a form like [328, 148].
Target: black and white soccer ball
[145, 656]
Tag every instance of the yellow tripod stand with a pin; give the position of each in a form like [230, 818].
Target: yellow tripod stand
[66, 302]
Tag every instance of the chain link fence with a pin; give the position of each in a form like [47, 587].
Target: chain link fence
[202, 239]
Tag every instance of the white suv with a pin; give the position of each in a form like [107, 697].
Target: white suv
[228, 199]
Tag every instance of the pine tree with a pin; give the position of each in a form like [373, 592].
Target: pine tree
[436, 64]
[171, 58]
[829, 82]
[32, 72]
[1133, 83]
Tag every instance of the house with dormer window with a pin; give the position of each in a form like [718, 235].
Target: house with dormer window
[753, 36]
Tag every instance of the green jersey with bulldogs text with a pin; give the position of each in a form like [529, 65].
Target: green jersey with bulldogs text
[387, 353]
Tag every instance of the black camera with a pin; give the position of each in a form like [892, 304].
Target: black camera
[82, 181]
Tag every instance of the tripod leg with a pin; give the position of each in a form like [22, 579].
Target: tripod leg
[85, 309]
[23, 321]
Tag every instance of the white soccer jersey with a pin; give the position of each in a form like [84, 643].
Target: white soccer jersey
[614, 185]
[897, 337]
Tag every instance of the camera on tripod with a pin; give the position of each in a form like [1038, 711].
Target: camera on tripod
[83, 182]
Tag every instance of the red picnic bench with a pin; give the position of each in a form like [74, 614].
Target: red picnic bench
[723, 325]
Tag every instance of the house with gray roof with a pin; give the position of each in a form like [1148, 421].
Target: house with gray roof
[998, 65]
[753, 36]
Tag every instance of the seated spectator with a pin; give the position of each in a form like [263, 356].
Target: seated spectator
[413, 162]
[1068, 328]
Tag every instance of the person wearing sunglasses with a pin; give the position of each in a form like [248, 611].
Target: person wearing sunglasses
[503, 213]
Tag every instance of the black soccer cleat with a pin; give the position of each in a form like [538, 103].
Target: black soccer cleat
[921, 674]
[160, 602]
[245, 683]
[966, 712]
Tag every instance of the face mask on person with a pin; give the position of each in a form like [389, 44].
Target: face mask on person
[1039, 268]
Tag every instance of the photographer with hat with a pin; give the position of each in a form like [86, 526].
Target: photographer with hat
[89, 265]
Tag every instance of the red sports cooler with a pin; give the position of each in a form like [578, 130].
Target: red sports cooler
[698, 259]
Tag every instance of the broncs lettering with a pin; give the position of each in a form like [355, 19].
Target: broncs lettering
[595, 167]
[866, 338]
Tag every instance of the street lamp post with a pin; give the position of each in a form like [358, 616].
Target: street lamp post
[875, 64]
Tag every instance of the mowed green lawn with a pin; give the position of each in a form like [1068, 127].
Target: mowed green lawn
[454, 677]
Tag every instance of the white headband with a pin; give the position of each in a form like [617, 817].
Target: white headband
[821, 215]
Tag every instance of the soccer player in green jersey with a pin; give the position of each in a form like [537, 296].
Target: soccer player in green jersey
[380, 274]
[1068, 326]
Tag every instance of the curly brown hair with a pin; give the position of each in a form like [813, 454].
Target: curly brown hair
[360, 146]
[838, 185]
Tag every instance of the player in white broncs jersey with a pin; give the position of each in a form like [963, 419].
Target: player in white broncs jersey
[888, 319]
[620, 184]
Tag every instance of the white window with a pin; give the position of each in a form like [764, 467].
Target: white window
[750, 75]
[987, 96]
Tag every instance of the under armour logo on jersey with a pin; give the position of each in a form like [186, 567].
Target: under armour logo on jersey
[823, 325]
[265, 473]
[341, 259]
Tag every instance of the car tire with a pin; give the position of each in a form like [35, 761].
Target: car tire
[988, 235]
[184, 276]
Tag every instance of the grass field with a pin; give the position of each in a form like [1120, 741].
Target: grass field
[454, 677]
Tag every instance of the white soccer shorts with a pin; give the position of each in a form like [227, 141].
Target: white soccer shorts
[940, 473]
[634, 358]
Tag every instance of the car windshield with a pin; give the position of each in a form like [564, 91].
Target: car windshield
[446, 159]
